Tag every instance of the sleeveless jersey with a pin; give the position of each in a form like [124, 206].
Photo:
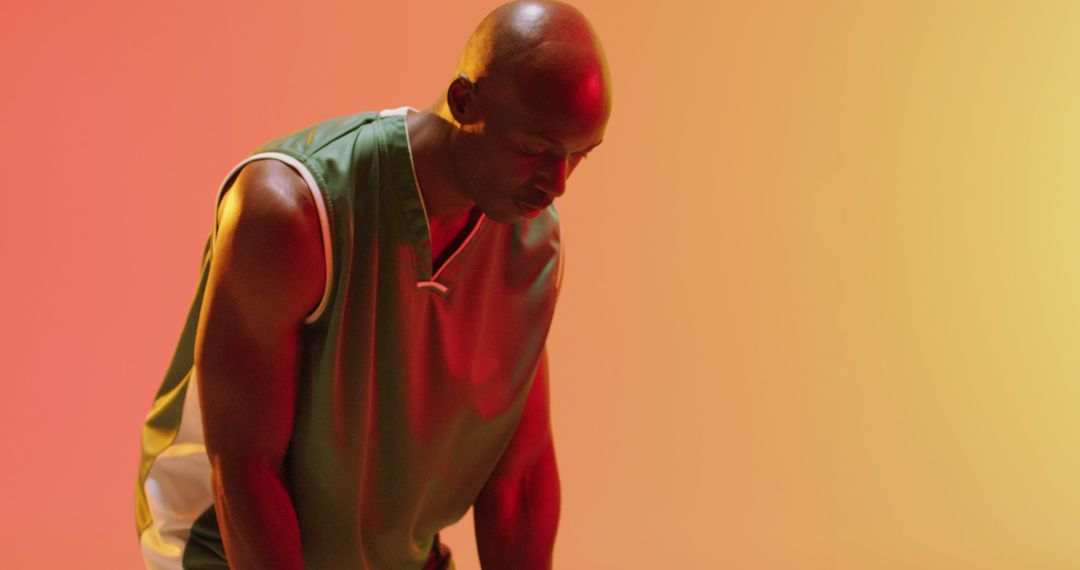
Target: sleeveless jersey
[412, 378]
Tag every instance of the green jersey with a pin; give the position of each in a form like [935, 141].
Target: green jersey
[412, 379]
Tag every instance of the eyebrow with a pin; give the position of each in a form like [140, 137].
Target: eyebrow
[553, 142]
[589, 148]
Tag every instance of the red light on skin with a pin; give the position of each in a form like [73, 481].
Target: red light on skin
[585, 99]
[569, 88]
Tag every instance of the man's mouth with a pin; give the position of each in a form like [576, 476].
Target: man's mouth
[532, 205]
[529, 211]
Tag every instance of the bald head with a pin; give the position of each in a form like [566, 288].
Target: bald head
[530, 101]
[512, 31]
[544, 53]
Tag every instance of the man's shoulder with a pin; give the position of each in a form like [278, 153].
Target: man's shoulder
[271, 196]
[537, 243]
[317, 136]
[542, 228]
[268, 239]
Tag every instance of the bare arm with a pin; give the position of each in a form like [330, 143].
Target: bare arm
[266, 275]
[517, 512]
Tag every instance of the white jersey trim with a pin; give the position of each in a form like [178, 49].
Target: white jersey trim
[320, 205]
[468, 238]
[404, 112]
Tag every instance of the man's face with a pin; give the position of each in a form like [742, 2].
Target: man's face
[533, 138]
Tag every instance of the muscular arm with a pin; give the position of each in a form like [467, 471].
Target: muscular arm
[266, 275]
[517, 512]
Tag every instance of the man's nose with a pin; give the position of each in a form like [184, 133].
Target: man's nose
[555, 178]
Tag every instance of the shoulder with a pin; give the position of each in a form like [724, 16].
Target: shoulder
[267, 197]
[542, 229]
[317, 136]
[270, 185]
[537, 247]
[269, 236]
[542, 236]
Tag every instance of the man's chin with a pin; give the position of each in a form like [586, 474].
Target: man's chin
[512, 217]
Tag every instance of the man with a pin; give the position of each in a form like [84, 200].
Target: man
[364, 359]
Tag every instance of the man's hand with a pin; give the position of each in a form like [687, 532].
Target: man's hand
[517, 512]
[267, 273]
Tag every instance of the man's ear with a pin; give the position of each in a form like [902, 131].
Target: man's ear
[461, 98]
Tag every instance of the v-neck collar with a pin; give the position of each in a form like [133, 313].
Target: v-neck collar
[402, 173]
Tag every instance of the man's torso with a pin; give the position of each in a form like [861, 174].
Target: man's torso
[413, 375]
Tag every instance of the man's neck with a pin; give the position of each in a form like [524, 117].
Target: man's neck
[429, 138]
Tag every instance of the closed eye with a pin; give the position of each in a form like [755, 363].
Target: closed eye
[530, 150]
[577, 157]
[584, 153]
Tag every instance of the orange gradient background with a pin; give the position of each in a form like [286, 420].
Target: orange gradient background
[822, 295]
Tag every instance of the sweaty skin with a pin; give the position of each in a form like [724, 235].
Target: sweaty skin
[531, 97]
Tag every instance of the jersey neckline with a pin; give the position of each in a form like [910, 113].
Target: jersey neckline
[399, 147]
